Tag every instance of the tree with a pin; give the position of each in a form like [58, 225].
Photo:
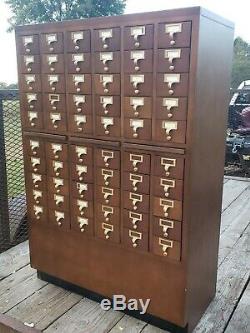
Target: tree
[241, 62]
[40, 11]
[4, 85]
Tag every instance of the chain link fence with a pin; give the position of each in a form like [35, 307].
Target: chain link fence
[13, 221]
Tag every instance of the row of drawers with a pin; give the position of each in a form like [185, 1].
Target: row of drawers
[135, 37]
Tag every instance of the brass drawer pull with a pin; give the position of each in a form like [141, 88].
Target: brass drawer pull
[171, 79]
[172, 29]
[105, 35]
[105, 57]
[171, 55]
[30, 99]
[135, 159]
[76, 37]
[57, 167]
[135, 237]
[58, 182]
[78, 79]
[27, 42]
[59, 217]
[168, 163]
[36, 179]
[166, 224]
[56, 148]
[166, 204]
[135, 179]
[37, 195]
[107, 155]
[30, 79]
[136, 124]
[169, 126]
[76, 59]
[135, 199]
[81, 169]
[167, 184]
[52, 60]
[107, 211]
[80, 121]
[51, 39]
[33, 116]
[136, 102]
[165, 245]
[34, 145]
[53, 80]
[29, 61]
[106, 175]
[83, 222]
[135, 217]
[55, 118]
[106, 101]
[38, 211]
[58, 199]
[108, 228]
[80, 151]
[82, 205]
[81, 188]
[106, 80]
[35, 162]
[136, 80]
[78, 100]
[136, 56]
[54, 99]
[136, 32]
[107, 193]
[106, 122]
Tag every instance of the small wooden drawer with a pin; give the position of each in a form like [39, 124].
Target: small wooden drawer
[108, 126]
[28, 44]
[83, 208]
[107, 62]
[135, 221]
[107, 39]
[52, 42]
[37, 213]
[170, 131]
[81, 154]
[53, 83]
[52, 63]
[29, 64]
[57, 168]
[79, 63]
[59, 218]
[107, 231]
[138, 61]
[30, 82]
[176, 34]
[136, 202]
[167, 228]
[108, 106]
[139, 37]
[171, 108]
[57, 201]
[173, 60]
[108, 178]
[135, 182]
[31, 101]
[81, 123]
[34, 147]
[172, 84]
[84, 225]
[36, 197]
[57, 151]
[138, 84]
[136, 162]
[137, 107]
[108, 158]
[56, 121]
[82, 173]
[78, 41]
[58, 185]
[35, 164]
[107, 214]
[107, 84]
[82, 191]
[80, 104]
[168, 208]
[167, 248]
[79, 83]
[169, 166]
[137, 128]
[108, 196]
[32, 119]
[54, 103]
[135, 239]
[168, 188]
[36, 181]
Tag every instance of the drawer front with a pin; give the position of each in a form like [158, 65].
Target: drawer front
[107, 214]
[84, 225]
[54, 103]
[36, 181]
[108, 232]
[107, 39]
[78, 41]
[30, 82]
[137, 107]
[56, 121]
[34, 147]
[80, 104]
[135, 221]
[170, 131]
[53, 83]
[172, 84]
[107, 158]
[58, 202]
[79, 84]
[28, 44]
[57, 168]
[166, 228]
[81, 123]
[108, 106]
[82, 173]
[108, 178]
[108, 126]
[169, 166]
[107, 84]
[81, 154]
[171, 108]
[36, 197]
[176, 34]
[108, 196]
[138, 37]
[59, 218]
[37, 213]
[32, 119]
[52, 63]
[35, 164]
[57, 151]
[31, 101]
[168, 208]
[173, 60]
[168, 188]
[138, 128]
[52, 43]
[79, 63]
[29, 64]
[83, 208]
[136, 162]
[134, 239]
[134, 182]
[136, 202]
[138, 61]
[58, 185]
[107, 62]
[167, 248]
[82, 190]
[138, 84]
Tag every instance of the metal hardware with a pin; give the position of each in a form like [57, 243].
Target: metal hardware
[165, 244]
[105, 35]
[33, 146]
[135, 159]
[170, 103]
[167, 185]
[82, 205]
[30, 79]
[107, 155]
[55, 117]
[33, 116]
[173, 29]
[108, 228]
[136, 124]
[135, 199]
[56, 148]
[167, 163]
[59, 217]
[80, 169]
[78, 79]
[58, 182]
[81, 151]
[169, 126]
[106, 122]
[38, 210]
[37, 195]
[136, 56]
[105, 57]
[58, 199]
[136, 32]
[171, 79]
[136, 80]
[57, 167]
[30, 99]
[106, 101]
[76, 58]
[80, 121]
[107, 211]
[35, 161]
[135, 179]
[81, 188]
[52, 59]
[79, 99]
[51, 38]
[29, 60]
[82, 221]
[136, 236]
[27, 40]
[105, 80]
[166, 224]
[166, 204]
[106, 175]
[107, 192]
[135, 217]
[53, 79]
[76, 37]
[136, 102]
[54, 99]
[36, 179]
[171, 55]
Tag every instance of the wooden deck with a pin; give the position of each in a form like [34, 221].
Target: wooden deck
[27, 302]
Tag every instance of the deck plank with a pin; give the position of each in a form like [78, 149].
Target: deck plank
[231, 190]
[128, 324]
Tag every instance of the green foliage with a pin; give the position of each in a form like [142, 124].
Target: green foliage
[4, 85]
[39, 11]
[241, 62]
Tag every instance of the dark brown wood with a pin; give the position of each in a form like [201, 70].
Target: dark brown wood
[11, 325]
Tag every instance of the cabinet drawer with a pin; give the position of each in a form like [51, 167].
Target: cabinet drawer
[107, 62]
[137, 107]
[57, 151]
[171, 108]
[108, 84]
[137, 162]
[138, 84]
[54, 103]
[37, 213]
[81, 123]
[53, 83]
[135, 221]
[169, 188]
[169, 166]
[82, 191]
[135, 182]
[58, 202]
[31, 101]
[176, 34]
[59, 218]
[135, 239]
[56, 121]
[82, 173]
[109, 232]
[79, 63]
[108, 196]
[52, 63]
[79, 83]
[57, 168]
[29, 64]
[168, 208]
[28, 44]
[107, 39]
[167, 228]
[52, 43]
[83, 208]
[107, 214]
[81, 154]
[36, 197]
[108, 126]
[136, 202]
[173, 60]
[108, 178]
[30, 82]
[34, 147]
[85, 225]
[32, 119]
[36, 181]
[172, 84]
[78, 41]
[35, 164]
[80, 104]
[108, 106]
[167, 248]
[107, 158]
[138, 61]
[137, 128]
[58, 185]
[139, 37]
[170, 131]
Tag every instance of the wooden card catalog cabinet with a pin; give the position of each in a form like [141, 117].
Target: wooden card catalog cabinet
[123, 130]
